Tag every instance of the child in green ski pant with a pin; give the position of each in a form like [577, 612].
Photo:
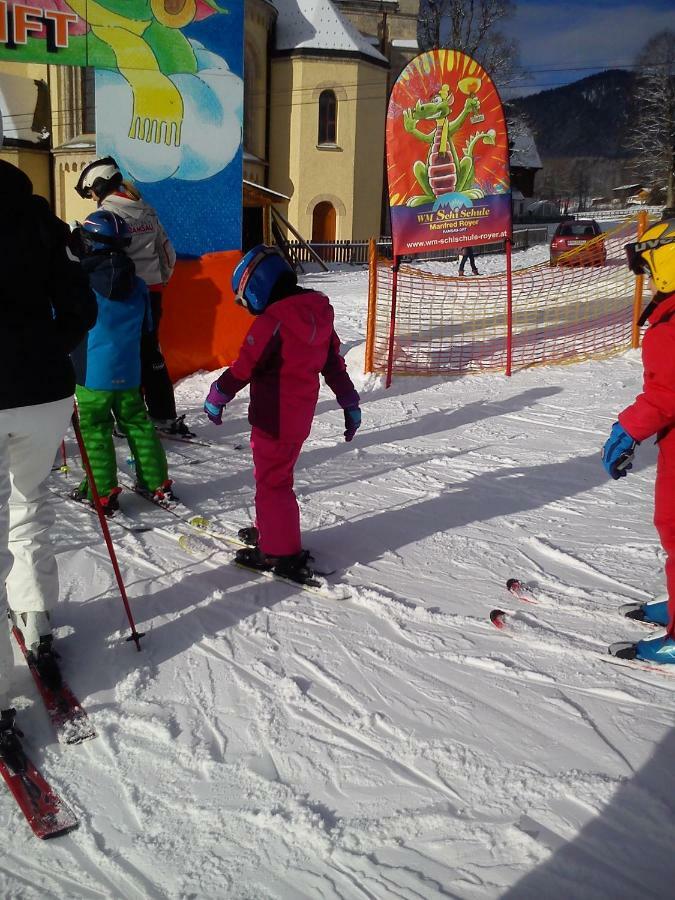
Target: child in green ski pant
[108, 367]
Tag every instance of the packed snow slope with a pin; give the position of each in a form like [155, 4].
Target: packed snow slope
[269, 743]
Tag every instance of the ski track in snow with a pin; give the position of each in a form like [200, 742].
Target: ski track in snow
[270, 743]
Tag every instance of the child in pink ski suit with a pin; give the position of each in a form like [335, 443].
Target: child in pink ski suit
[290, 343]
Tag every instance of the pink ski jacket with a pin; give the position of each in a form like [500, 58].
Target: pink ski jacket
[285, 350]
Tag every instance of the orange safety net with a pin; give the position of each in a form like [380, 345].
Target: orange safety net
[455, 325]
[202, 327]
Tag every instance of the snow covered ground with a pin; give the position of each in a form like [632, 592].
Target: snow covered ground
[268, 743]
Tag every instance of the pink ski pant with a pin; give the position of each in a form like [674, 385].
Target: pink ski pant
[276, 509]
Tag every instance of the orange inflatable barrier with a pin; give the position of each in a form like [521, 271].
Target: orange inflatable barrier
[202, 327]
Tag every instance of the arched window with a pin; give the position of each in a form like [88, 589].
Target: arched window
[327, 118]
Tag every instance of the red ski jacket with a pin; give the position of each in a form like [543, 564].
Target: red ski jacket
[654, 409]
[285, 350]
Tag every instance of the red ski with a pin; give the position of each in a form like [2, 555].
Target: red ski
[69, 719]
[45, 811]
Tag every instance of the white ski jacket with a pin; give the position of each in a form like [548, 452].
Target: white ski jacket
[150, 248]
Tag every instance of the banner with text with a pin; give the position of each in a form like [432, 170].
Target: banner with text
[447, 156]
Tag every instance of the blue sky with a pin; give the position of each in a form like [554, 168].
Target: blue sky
[563, 42]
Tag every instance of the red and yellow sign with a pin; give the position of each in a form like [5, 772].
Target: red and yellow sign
[447, 156]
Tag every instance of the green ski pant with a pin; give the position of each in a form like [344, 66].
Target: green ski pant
[96, 409]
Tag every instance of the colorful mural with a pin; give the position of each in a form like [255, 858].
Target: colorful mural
[169, 97]
[447, 155]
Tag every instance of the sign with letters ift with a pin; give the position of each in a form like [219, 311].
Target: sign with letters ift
[169, 98]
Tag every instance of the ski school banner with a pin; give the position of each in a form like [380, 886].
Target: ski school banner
[169, 98]
[447, 156]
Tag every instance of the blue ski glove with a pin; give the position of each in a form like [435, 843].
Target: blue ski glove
[618, 452]
[352, 422]
[215, 403]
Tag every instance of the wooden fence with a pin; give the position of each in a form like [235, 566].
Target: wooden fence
[356, 252]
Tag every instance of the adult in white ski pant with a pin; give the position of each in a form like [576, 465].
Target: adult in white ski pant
[29, 582]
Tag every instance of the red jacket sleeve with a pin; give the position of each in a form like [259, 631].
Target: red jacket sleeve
[337, 379]
[654, 409]
[257, 345]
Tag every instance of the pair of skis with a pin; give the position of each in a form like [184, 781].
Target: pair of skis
[620, 653]
[47, 814]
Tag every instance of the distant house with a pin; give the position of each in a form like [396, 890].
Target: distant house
[524, 161]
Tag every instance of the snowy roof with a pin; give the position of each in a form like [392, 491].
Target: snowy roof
[524, 151]
[317, 25]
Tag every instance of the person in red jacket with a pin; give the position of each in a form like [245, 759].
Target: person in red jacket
[653, 413]
[290, 343]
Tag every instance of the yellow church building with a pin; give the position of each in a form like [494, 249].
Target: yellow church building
[317, 74]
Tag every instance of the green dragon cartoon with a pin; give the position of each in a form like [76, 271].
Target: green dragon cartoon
[444, 173]
[143, 42]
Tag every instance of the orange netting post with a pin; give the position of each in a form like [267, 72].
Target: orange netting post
[639, 287]
[392, 321]
[372, 306]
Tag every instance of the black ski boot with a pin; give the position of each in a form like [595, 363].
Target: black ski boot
[110, 503]
[11, 751]
[175, 426]
[45, 658]
[249, 535]
[254, 558]
[295, 567]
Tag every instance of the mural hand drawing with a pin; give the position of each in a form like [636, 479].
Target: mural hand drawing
[148, 46]
[444, 177]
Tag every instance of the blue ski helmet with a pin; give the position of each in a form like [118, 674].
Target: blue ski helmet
[104, 230]
[255, 277]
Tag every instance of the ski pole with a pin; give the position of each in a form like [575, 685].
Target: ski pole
[64, 458]
[135, 635]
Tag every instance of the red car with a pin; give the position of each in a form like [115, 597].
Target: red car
[572, 235]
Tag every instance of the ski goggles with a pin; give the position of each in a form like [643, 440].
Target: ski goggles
[636, 263]
[239, 297]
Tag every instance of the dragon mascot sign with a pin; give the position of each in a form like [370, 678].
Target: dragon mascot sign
[447, 156]
[169, 97]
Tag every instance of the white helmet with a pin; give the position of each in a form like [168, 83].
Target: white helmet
[99, 178]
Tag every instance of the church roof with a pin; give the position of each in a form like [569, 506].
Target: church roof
[317, 25]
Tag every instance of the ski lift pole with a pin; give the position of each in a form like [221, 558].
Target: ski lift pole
[135, 636]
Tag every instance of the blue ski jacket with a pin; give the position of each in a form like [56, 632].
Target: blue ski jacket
[109, 358]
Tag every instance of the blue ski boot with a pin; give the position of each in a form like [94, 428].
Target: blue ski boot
[657, 649]
[655, 612]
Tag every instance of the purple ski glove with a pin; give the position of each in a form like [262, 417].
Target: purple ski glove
[215, 403]
[352, 422]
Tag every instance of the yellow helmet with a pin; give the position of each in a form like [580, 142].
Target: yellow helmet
[654, 254]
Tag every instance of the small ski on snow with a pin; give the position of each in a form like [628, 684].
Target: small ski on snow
[317, 585]
[621, 653]
[184, 439]
[45, 811]
[70, 721]
[117, 519]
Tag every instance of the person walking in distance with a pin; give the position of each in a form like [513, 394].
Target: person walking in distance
[47, 308]
[154, 258]
[467, 255]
